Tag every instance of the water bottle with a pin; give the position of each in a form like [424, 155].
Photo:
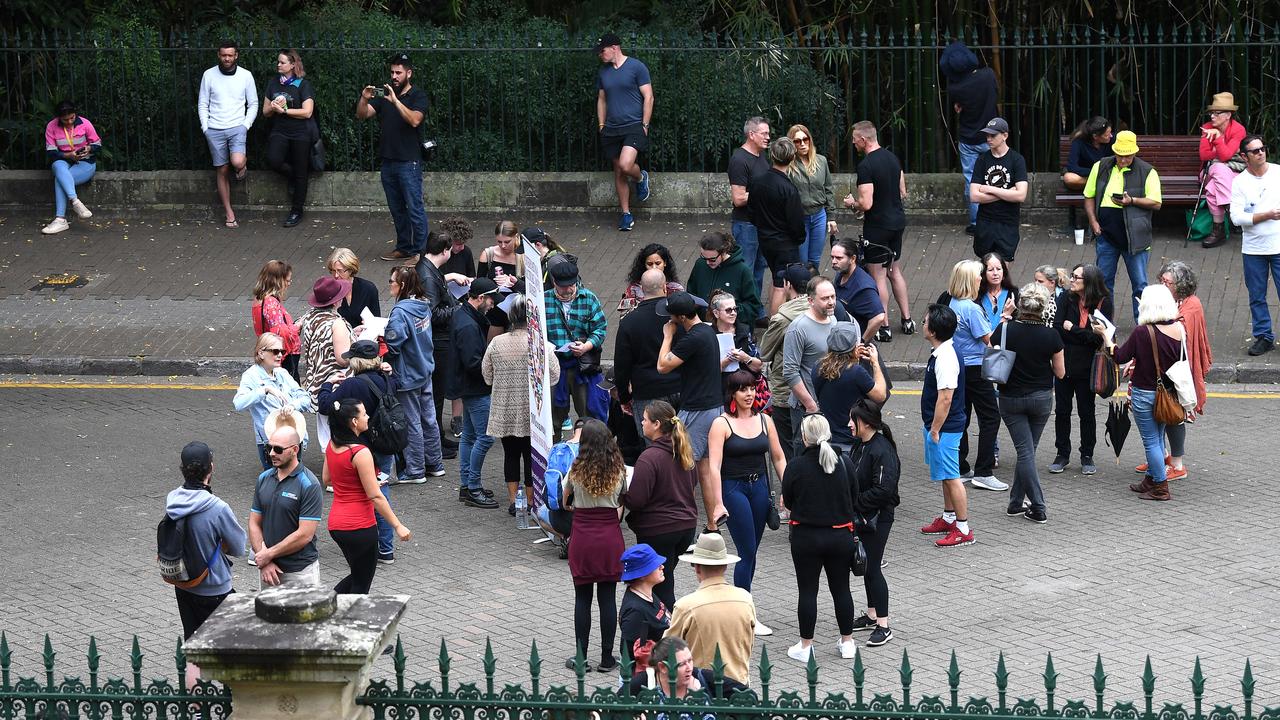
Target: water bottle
[522, 510]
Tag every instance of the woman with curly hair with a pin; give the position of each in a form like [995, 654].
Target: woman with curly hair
[593, 491]
[653, 256]
[269, 315]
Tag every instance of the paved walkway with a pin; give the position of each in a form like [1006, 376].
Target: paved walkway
[166, 288]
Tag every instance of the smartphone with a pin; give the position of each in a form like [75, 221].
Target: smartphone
[1117, 197]
[379, 91]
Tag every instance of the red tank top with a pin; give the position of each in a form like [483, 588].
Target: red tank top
[351, 509]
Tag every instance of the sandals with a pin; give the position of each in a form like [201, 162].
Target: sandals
[231, 224]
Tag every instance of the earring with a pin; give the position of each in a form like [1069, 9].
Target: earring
[733, 406]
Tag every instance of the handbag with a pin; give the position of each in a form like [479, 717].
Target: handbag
[317, 148]
[858, 564]
[773, 519]
[1179, 374]
[997, 362]
[1104, 374]
[1166, 410]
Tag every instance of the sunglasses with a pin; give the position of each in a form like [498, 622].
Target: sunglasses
[1257, 150]
[799, 139]
[274, 351]
[732, 310]
[278, 449]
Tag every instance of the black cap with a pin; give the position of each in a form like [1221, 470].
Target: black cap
[564, 273]
[197, 455]
[798, 275]
[534, 235]
[482, 286]
[607, 40]
[995, 126]
[679, 303]
[367, 349]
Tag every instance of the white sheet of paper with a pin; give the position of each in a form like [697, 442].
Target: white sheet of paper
[564, 348]
[1108, 328]
[457, 290]
[374, 327]
[726, 344]
[505, 305]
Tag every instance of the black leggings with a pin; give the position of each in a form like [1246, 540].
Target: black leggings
[980, 400]
[360, 548]
[670, 546]
[814, 549]
[292, 159]
[1079, 389]
[514, 449]
[874, 541]
[606, 595]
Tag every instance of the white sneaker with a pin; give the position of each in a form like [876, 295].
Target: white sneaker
[55, 227]
[799, 651]
[848, 648]
[762, 630]
[989, 482]
[82, 212]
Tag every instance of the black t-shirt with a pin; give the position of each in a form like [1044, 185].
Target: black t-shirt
[641, 620]
[743, 167]
[1002, 172]
[1032, 368]
[882, 171]
[975, 93]
[462, 262]
[400, 141]
[700, 370]
[296, 92]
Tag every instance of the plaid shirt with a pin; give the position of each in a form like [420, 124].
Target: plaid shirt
[586, 319]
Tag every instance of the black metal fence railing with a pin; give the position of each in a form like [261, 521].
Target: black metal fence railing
[528, 104]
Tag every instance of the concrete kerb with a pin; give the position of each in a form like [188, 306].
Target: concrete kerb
[1255, 373]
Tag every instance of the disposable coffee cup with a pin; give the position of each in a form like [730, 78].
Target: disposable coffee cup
[1080, 236]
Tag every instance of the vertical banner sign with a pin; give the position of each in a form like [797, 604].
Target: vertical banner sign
[539, 373]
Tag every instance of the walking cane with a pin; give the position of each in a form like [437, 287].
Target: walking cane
[1204, 179]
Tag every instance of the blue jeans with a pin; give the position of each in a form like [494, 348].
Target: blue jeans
[968, 156]
[745, 236]
[815, 237]
[1256, 268]
[475, 441]
[65, 179]
[1109, 257]
[748, 504]
[1025, 417]
[423, 452]
[386, 533]
[1143, 401]
[402, 182]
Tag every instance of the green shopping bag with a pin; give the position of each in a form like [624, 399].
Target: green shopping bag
[1199, 228]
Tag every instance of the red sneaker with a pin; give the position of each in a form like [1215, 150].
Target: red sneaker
[955, 539]
[938, 527]
[1173, 473]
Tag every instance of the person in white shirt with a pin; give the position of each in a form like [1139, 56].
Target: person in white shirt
[228, 103]
[1255, 207]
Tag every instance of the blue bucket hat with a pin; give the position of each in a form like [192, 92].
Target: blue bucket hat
[638, 561]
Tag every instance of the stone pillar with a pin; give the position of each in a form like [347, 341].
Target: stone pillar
[296, 652]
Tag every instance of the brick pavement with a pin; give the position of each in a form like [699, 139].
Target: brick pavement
[1193, 577]
[162, 287]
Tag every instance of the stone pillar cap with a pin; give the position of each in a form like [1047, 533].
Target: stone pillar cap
[284, 604]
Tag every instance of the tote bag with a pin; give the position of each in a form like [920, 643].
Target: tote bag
[1180, 374]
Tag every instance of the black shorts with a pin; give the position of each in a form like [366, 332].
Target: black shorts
[612, 140]
[195, 609]
[995, 237]
[778, 256]
[884, 247]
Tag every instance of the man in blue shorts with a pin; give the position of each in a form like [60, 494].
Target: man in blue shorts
[227, 106]
[942, 409]
[624, 104]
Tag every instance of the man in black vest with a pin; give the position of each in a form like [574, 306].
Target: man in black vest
[1121, 219]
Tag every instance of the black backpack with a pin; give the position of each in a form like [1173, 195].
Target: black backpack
[181, 563]
[388, 427]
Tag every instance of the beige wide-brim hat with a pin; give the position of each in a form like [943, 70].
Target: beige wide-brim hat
[277, 419]
[709, 550]
[1223, 101]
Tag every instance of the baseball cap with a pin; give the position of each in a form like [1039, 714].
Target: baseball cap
[534, 235]
[482, 286]
[606, 40]
[679, 303]
[995, 126]
[564, 273]
[197, 455]
[366, 349]
[842, 338]
[798, 275]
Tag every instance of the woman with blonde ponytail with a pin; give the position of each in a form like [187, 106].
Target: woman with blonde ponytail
[663, 513]
[817, 489]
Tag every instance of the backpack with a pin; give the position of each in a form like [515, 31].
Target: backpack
[181, 563]
[389, 426]
[558, 464]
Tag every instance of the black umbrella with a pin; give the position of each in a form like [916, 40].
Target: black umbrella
[1118, 424]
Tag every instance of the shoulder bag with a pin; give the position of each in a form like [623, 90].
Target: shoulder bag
[1166, 410]
[588, 362]
[773, 519]
[997, 361]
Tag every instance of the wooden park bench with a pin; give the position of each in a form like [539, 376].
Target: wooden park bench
[1175, 157]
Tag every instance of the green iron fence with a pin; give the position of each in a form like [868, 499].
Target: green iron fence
[115, 698]
[528, 103]
[468, 700]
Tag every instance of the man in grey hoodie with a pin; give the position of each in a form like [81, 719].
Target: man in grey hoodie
[217, 533]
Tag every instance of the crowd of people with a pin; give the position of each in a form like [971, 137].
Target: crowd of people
[763, 394]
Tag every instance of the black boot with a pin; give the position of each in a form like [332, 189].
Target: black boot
[1217, 236]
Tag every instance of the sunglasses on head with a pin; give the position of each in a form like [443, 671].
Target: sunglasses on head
[278, 449]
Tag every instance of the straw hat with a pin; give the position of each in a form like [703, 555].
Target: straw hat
[709, 550]
[1223, 101]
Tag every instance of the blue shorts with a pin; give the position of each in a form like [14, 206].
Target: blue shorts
[942, 457]
[697, 423]
[223, 143]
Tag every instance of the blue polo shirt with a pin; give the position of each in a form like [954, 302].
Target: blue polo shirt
[282, 505]
[971, 327]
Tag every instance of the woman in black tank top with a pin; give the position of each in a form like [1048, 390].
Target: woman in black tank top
[738, 446]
